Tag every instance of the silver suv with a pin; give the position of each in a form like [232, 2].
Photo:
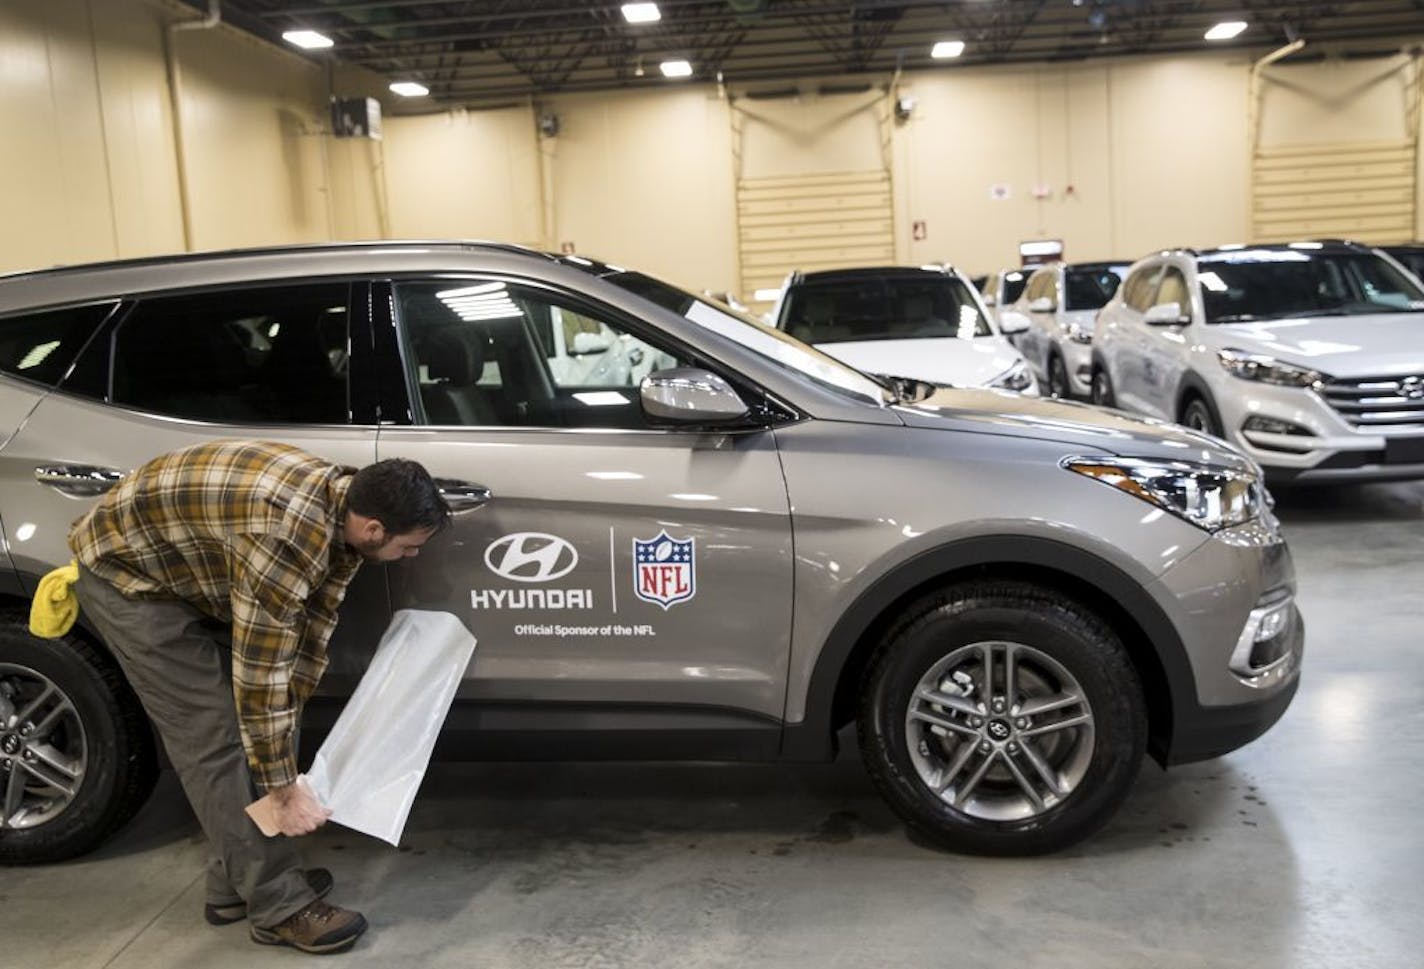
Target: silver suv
[1309, 357]
[1054, 318]
[726, 547]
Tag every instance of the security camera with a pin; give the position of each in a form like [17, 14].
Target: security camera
[904, 107]
[548, 124]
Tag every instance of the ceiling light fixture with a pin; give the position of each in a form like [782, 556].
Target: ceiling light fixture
[308, 39]
[410, 89]
[675, 69]
[946, 49]
[1226, 30]
[641, 13]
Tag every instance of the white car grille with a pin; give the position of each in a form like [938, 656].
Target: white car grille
[1379, 403]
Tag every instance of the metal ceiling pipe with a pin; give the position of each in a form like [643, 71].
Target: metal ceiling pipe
[1253, 121]
[175, 101]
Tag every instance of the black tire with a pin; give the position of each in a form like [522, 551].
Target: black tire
[120, 763]
[1102, 388]
[1199, 415]
[1058, 377]
[1056, 642]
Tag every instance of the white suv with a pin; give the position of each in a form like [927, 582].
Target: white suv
[1054, 319]
[1308, 356]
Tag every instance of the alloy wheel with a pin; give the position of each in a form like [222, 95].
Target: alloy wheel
[1000, 731]
[43, 753]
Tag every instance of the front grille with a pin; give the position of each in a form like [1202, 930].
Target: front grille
[1378, 403]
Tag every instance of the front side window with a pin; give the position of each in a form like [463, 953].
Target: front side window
[265, 355]
[1173, 289]
[41, 346]
[884, 308]
[1140, 287]
[1274, 284]
[491, 353]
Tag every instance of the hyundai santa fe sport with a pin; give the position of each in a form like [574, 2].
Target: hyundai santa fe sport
[1308, 357]
[722, 545]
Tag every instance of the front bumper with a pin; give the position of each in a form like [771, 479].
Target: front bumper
[1333, 450]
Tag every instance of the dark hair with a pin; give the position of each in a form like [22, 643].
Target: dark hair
[399, 494]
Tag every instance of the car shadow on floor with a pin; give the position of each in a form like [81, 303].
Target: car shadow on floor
[1401, 501]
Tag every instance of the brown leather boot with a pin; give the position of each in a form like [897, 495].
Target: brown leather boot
[226, 913]
[319, 928]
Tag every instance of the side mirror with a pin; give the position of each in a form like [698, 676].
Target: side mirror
[1042, 304]
[688, 395]
[586, 343]
[1166, 314]
[1012, 321]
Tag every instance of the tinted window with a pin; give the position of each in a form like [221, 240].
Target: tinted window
[1411, 259]
[1014, 283]
[263, 355]
[41, 346]
[491, 353]
[1090, 289]
[883, 308]
[1270, 284]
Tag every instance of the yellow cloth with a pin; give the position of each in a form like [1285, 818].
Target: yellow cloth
[55, 606]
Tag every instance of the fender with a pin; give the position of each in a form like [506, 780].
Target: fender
[1191, 383]
[1162, 658]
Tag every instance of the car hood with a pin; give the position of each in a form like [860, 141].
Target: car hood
[1083, 428]
[1340, 346]
[939, 360]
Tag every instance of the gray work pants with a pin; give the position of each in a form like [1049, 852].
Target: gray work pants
[179, 662]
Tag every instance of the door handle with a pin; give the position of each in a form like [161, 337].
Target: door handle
[78, 480]
[462, 496]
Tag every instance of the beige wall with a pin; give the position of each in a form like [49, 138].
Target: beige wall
[1130, 154]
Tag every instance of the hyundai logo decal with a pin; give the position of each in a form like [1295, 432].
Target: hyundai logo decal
[1412, 387]
[531, 557]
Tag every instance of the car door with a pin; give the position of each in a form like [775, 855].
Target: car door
[637, 569]
[1165, 347]
[172, 369]
[1127, 357]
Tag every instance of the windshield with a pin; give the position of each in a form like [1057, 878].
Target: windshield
[1271, 284]
[1090, 287]
[883, 308]
[1014, 283]
[1411, 259]
[771, 343]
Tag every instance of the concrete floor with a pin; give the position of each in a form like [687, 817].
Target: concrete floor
[1302, 850]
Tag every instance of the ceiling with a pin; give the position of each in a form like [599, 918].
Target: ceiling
[483, 52]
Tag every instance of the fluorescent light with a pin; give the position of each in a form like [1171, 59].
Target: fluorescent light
[766, 295]
[946, 49]
[676, 69]
[410, 89]
[641, 13]
[308, 39]
[1226, 30]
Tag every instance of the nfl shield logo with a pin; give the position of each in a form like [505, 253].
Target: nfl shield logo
[664, 569]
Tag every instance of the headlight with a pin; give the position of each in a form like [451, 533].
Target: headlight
[1078, 334]
[1016, 377]
[1250, 366]
[1209, 497]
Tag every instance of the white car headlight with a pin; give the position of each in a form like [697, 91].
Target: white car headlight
[1078, 334]
[1208, 496]
[1016, 377]
[1268, 370]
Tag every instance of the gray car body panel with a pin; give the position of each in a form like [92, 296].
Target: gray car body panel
[801, 529]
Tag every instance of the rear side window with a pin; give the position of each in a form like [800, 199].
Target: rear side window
[269, 355]
[41, 346]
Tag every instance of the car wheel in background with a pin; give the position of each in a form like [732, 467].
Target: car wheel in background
[1058, 377]
[77, 758]
[1002, 718]
[1102, 388]
[1200, 416]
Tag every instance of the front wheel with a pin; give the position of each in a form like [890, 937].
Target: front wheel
[1058, 378]
[77, 758]
[1102, 388]
[1199, 416]
[1002, 718]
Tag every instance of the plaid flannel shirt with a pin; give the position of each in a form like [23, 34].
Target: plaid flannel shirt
[249, 533]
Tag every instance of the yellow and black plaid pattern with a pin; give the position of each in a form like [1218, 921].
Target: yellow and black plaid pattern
[248, 532]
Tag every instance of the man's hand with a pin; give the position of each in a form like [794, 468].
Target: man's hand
[298, 811]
